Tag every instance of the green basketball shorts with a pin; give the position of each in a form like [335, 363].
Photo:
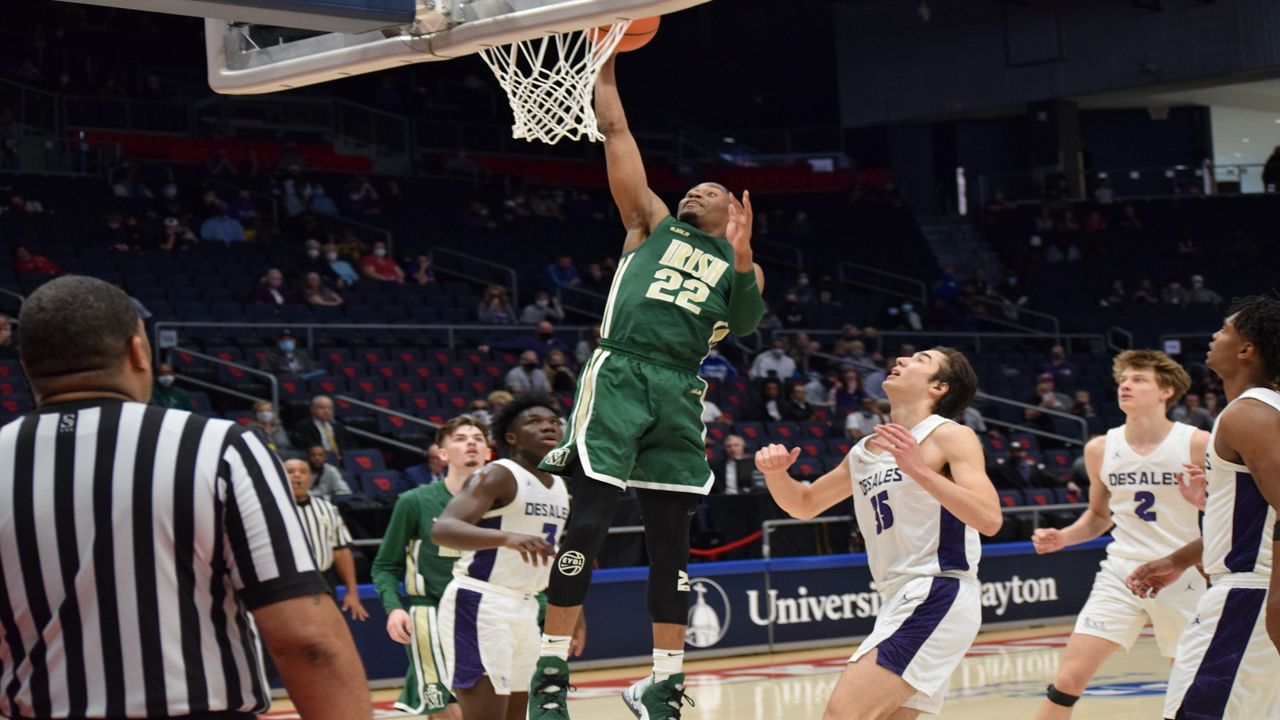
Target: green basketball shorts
[636, 424]
[424, 692]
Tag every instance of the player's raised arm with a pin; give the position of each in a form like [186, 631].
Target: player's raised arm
[801, 500]
[971, 497]
[640, 208]
[492, 487]
[1095, 520]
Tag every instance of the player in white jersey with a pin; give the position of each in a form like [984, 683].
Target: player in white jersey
[921, 495]
[506, 521]
[1227, 668]
[1138, 475]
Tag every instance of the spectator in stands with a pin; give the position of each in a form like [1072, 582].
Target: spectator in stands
[478, 217]
[735, 471]
[8, 348]
[768, 406]
[864, 419]
[543, 307]
[495, 307]
[559, 376]
[174, 236]
[340, 270]
[796, 407]
[847, 394]
[113, 235]
[221, 227]
[362, 198]
[327, 479]
[479, 409]
[265, 424]
[873, 381]
[1062, 250]
[1095, 222]
[128, 185]
[270, 290]
[289, 359]
[1174, 295]
[1145, 295]
[792, 315]
[542, 341]
[774, 362]
[242, 209]
[562, 273]
[1129, 219]
[25, 261]
[433, 470]
[1083, 405]
[218, 165]
[1191, 412]
[1045, 397]
[421, 270]
[769, 320]
[1212, 404]
[377, 266]
[590, 341]
[1201, 295]
[315, 292]
[1021, 471]
[312, 259]
[498, 399]
[596, 280]
[1104, 194]
[973, 420]
[167, 395]
[1116, 296]
[319, 202]
[1058, 365]
[322, 429]
[715, 367]
[527, 376]
[711, 413]
[802, 288]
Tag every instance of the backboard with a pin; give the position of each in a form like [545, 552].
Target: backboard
[247, 58]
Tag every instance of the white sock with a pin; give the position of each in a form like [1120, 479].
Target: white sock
[555, 646]
[667, 663]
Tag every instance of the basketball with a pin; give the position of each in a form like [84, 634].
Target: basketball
[638, 34]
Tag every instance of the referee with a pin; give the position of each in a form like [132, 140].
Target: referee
[143, 550]
[327, 534]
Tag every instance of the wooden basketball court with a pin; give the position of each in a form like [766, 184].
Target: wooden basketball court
[1002, 678]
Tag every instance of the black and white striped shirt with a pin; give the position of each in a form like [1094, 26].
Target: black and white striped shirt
[325, 530]
[133, 542]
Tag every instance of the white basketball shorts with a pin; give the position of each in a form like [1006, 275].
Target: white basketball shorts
[922, 633]
[1114, 613]
[487, 632]
[1226, 667]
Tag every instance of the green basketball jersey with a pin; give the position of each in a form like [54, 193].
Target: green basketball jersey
[670, 297]
[407, 553]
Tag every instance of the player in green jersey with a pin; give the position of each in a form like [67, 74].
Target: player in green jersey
[683, 283]
[407, 554]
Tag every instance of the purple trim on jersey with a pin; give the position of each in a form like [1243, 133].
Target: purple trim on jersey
[1210, 689]
[952, 548]
[467, 666]
[896, 652]
[1248, 519]
[481, 566]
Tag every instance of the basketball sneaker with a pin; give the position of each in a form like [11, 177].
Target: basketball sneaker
[653, 700]
[549, 690]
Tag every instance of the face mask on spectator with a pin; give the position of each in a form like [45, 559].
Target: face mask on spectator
[165, 380]
[313, 253]
[542, 303]
[265, 416]
[287, 345]
[380, 252]
[529, 365]
[331, 256]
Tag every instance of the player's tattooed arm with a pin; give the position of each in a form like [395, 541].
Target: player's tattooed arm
[493, 487]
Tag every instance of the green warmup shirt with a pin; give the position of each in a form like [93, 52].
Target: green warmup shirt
[669, 301]
[407, 553]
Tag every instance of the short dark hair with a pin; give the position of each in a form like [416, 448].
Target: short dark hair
[506, 417]
[1257, 320]
[75, 324]
[961, 381]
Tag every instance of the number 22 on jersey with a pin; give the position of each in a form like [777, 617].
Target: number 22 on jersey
[670, 284]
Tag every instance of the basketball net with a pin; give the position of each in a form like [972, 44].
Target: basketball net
[550, 82]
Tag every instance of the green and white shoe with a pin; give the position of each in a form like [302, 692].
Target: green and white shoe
[549, 690]
[653, 700]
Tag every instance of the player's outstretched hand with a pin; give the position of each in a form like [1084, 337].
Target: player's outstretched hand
[898, 441]
[400, 627]
[775, 458]
[1047, 540]
[738, 233]
[1150, 578]
[533, 550]
[1193, 484]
